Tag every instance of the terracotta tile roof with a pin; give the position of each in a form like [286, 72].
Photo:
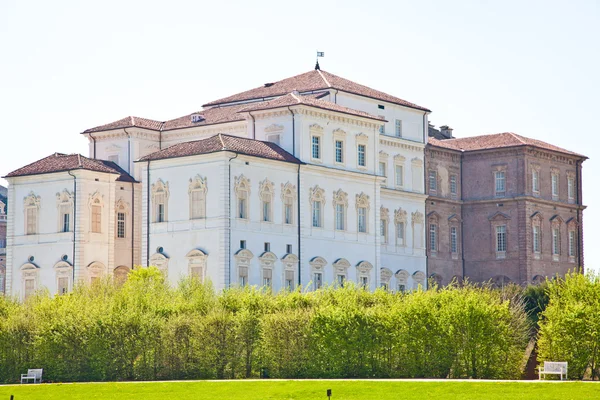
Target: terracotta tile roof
[127, 122]
[494, 141]
[59, 162]
[215, 115]
[313, 80]
[293, 99]
[221, 142]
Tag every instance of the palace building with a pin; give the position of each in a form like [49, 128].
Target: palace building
[311, 180]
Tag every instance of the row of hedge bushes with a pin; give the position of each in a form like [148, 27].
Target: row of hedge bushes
[147, 330]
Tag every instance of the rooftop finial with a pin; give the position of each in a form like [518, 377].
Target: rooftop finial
[319, 54]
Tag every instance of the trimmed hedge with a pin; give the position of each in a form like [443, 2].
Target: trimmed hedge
[147, 330]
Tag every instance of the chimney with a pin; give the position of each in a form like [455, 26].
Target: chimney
[446, 131]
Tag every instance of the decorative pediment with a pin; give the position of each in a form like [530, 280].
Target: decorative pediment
[122, 206]
[96, 268]
[556, 220]
[399, 159]
[416, 162]
[498, 216]
[242, 183]
[274, 128]
[31, 200]
[402, 276]
[455, 218]
[537, 216]
[318, 263]
[113, 148]
[384, 213]
[433, 216]
[317, 194]
[196, 253]
[340, 197]
[361, 138]
[386, 274]
[288, 190]
[400, 215]
[63, 269]
[340, 133]
[266, 187]
[419, 277]
[341, 265]
[417, 217]
[198, 183]
[267, 259]
[96, 199]
[64, 197]
[383, 155]
[290, 261]
[243, 257]
[364, 267]
[316, 128]
[160, 187]
[362, 200]
[29, 270]
[572, 222]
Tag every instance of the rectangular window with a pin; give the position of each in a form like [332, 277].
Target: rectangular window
[382, 127]
[362, 219]
[242, 244]
[197, 204]
[31, 221]
[196, 273]
[398, 128]
[536, 239]
[289, 214]
[382, 168]
[554, 185]
[453, 186]
[433, 237]
[362, 149]
[500, 182]
[29, 287]
[399, 175]
[288, 248]
[572, 244]
[266, 210]
[97, 218]
[243, 276]
[339, 217]
[341, 278]
[433, 181]
[316, 214]
[63, 285]
[400, 233]
[453, 239]
[501, 239]
[401, 288]
[114, 158]
[267, 277]
[242, 206]
[65, 222]
[317, 280]
[535, 180]
[364, 282]
[121, 225]
[383, 226]
[289, 280]
[267, 246]
[556, 241]
[339, 151]
[274, 139]
[571, 187]
[316, 147]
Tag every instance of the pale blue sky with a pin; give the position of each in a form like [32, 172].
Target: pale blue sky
[530, 67]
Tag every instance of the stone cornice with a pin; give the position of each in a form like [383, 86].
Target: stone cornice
[400, 143]
[525, 198]
[397, 192]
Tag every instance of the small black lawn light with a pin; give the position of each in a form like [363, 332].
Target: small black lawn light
[329, 393]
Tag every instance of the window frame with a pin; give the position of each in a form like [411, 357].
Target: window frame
[398, 128]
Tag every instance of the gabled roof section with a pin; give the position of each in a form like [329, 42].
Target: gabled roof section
[59, 162]
[293, 99]
[312, 81]
[221, 142]
[495, 141]
[128, 122]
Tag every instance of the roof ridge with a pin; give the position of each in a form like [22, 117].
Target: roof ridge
[520, 139]
[325, 79]
[222, 142]
[296, 97]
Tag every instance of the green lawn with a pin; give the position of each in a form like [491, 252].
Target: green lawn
[342, 390]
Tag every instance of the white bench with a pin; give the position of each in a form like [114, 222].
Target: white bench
[32, 374]
[553, 367]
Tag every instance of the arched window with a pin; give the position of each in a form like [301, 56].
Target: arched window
[384, 220]
[317, 204]
[288, 197]
[96, 203]
[267, 192]
[402, 280]
[364, 272]
[437, 279]
[243, 258]
[29, 280]
[400, 222]
[197, 264]
[418, 280]
[386, 276]
[120, 275]
[122, 211]
[160, 201]
[340, 269]
[538, 280]
[362, 210]
[290, 266]
[242, 191]
[340, 205]
[96, 271]
[197, 192]
[267, 264]
[317, 265]
[31, 208]
[64, 203]
[160, 261]
[64, 275]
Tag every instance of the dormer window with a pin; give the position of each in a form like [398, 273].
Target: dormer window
[197, 118]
